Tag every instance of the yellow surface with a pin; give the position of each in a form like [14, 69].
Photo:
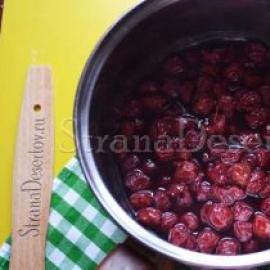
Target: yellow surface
[61, 33]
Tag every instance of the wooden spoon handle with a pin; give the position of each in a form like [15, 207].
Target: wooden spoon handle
[33, 172]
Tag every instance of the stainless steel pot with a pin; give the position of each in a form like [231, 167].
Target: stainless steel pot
[134, 43]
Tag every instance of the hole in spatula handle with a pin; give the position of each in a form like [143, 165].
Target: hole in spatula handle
[37, 107]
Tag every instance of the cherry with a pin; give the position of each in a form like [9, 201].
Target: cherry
[154, 103]
[182, 155]
[256, 52]
[190, 220]
[261, 226]
[266, 132]
[251, 246]
[263, 157]
[164, 151]
[191, 243]
[220, 217]
[133, 109]
[217, 124]
[149, 167]
[216, 150]
[186, 91]
[178, 144]
[209, 70]
[149, 87]
[149, 217]
[265, 206]
[183, 201]
[248, 100]
[141, 199]
[256, 183]
[178, 125]
[160, 128]
[176, 190]
[162, 200]
[234, 72]
[207, 240]
[265, 93]
[228, 195]
[186, 171]
[233, 127]
[179, 235]
[220, 88]
[165, 181]
[204, 191]
[240, 173]
[173, 110]
[250, 140]
[204, 84]
[194, 188]
[265, 192]
[227, 104]
[130, 163]
[193, 139]
[203, 105]
[171, 87]
[250, 159]
[168, 220]
[205, 210]
[140, 144]
[131, 127]
[228, 247]
[174, 65]
[231, 156]
[136, 180]
[243, 231]
[217, 173]
[252, 79]
[242, 211]
[258, 117]
[237, 193]
[187, 123]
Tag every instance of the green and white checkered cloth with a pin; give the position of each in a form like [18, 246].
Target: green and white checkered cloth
[80, 232]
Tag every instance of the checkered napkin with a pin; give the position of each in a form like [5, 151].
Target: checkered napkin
[80, 233]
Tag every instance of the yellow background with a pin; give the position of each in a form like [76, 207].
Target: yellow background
[61, 33]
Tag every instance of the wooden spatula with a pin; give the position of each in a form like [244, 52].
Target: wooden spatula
[33, 172]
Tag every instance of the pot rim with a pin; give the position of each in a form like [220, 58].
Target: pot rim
[86, 158]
